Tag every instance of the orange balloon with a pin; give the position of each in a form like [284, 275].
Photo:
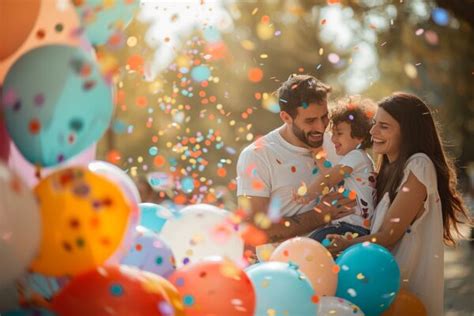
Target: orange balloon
[84, 217]
[55, 22]
[406, 304]
[16, 22]
[313, 259]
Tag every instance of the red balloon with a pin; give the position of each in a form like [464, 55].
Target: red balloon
[214, 286]
[111, 290]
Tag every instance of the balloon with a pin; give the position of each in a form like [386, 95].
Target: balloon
[150, 253]
[202, 230]
[282, 289]
[335, 306]
[56, 103]
[20, 226]
[18, 19]
[101, 19]
[313, 259]
[35, 288]
[56, 23]
[27, 171]
[111, 290]
[169, 292]
[128, 187]
[407, 304]
[154, 216]
[29, 312]
[84, 217]
[214, 286]
[369, 277]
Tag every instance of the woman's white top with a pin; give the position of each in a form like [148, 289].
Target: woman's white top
[420, 252]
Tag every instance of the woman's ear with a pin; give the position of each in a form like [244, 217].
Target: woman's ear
[286, 118]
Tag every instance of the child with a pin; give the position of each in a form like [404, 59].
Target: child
[351, 124]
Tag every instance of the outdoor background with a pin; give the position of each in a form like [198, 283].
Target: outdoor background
[197, 80]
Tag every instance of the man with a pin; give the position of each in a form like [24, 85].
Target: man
[273, 167]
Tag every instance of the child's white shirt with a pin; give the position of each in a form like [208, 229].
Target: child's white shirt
[362, 182]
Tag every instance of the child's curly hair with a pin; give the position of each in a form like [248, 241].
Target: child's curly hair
[358, 113]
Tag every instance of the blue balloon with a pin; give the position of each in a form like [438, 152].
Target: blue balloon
[150, 253]
[154, 216]
[440, 16]
[200, 73]
[283, 288]
[29, 312]
[101, 20]
[369, 277]
[56, 103]
[36, 284]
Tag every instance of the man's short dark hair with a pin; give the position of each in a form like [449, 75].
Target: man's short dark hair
[301, 90]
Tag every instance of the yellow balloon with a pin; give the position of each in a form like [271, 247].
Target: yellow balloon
[84, 217]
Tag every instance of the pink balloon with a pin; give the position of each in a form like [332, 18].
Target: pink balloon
[313, 259]
[27, 171]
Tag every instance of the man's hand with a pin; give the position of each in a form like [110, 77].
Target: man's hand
[334, 206]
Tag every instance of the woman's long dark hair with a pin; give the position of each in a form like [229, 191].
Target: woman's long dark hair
[420, 135]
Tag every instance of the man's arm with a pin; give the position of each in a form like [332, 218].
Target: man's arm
[332, 206]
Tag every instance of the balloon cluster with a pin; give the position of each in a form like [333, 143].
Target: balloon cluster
[75, 238]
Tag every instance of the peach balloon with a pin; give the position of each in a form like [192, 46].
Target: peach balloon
[57, 23]
[406, 304]
[16, 22]
[313, 259]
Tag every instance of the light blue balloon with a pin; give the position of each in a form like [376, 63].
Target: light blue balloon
[153, 216]
[150, 253]
[283, 288]
[38, 284]
[369, 277]
[29, 312]
[100, 20]
[200, 73]
[56, 103]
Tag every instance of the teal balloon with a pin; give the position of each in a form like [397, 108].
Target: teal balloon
[283, 288]
[154, 216]
[200, 73]
[29, 312]
[369, 277]
[56, 103]
[102, 19]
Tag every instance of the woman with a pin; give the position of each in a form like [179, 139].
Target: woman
[418, 205]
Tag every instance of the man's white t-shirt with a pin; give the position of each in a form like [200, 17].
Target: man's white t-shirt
[272, 167]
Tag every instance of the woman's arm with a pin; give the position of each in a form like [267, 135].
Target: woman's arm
[407, 205]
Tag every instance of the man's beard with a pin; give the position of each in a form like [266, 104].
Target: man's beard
[300, 134]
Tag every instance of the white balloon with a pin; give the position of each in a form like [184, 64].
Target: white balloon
[331, 306]
[20, 226]
[129, 189]
[200, 231]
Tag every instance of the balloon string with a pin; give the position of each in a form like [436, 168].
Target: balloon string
[38, 172]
